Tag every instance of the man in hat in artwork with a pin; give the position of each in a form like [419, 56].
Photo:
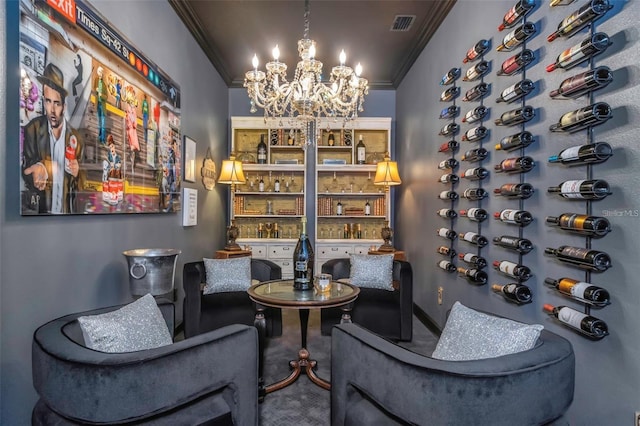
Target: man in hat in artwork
[51, 151]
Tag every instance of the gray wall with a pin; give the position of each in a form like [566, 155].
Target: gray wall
[52, 266]
[608, 371]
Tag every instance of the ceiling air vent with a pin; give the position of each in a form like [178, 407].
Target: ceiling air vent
[402, 22]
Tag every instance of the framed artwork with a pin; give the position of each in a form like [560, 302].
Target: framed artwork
[189, 159]
[99, 121]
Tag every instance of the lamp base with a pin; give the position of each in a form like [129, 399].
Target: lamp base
[387, 248]
[232, 247]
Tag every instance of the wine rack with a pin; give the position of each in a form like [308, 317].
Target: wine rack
[515, 166]
[586, 189]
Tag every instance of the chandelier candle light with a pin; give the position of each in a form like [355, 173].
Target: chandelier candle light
[306, 98]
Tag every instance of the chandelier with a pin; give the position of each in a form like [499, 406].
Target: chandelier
[305, 98]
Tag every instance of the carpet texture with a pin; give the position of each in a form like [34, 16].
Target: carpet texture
[303, 403]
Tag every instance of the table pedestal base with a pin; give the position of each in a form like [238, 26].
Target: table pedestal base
[302, 364]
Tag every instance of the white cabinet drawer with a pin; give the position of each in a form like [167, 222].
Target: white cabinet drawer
[333, 252]
[286, 266]
[280, 251]
[361, 249]
[259, 251]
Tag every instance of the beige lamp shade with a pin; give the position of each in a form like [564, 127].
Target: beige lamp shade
[387, 173]
[231, 172]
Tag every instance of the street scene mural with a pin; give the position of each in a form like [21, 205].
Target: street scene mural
[100, 123]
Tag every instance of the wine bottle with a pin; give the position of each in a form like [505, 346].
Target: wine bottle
[591, 326]
[582, 118]
[476, 71]
[473, 155]
[587, 48]
[448, 164]
[262, 151]
[580, 290]
[474, 194]
[447, 213]
[448, 178]
[446, 265]
[276, 185]
[339, 209]
[573, 23]
[592, 153]
[592, 189]
[478, 262]
[516, 91]
[331, 140]
[476, 214]
[474, 238]
[514, 292]
[476, 51]
[583, 83]
[515, 190]
[478, 113]
[361, 151]
[583, 258]
[517, 36]
[514, 270]
[476, 173]
[451, 76]
[449, 112]
[515, 165]
[516, 116]
[516, 141]
[521, 245]
[367, 208]
[516, 62]
[451, 146]
[303, 261]
[447, 233]
[475, 276]
[475, 134]
[476, 93]
[448, 195]
[447, 251]
[594, 226]
[516, 13]
[261, 185]
[450, 94]
[515, 217]
[449, 129]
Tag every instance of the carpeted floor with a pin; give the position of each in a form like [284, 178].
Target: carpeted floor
[303, 403]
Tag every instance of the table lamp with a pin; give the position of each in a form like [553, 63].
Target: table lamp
[231, 174]
[387, 175]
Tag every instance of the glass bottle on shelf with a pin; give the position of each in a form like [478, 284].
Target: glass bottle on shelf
[450, 94]
[447, 233]
[475, 276]
[476, 51]
[512, 269]
[515, 190]
[475, 134]
[592, 10]
[474, 194]
[475, 173]
[367, 209]
[516, 91]
[361, 151]
[476, 92]
[516, 37]
[521, 245]
[521, 9]
[594, 226]
[587, 48]
[592, 115]
[475, 214]
[580, 290]
[449, 112]
[473, 155]
[476, 114]
[262, 151]
[451, 76]
[447, 213]
[448, 195]
[339, 209]
[514, 292]
[449, 129]
[516, 141]
[474, 260]
[447, 265]
[474, 238]
[585, 189]
[331, 140]
[516, 62]
[515, 165]
[446, 251]
[514, 217]
[583, 83]
[593, 153]
[583, 258]
[448, 178]
[588, 325]
[451, 146]
[261, 185]
[476, 71]
[516, 116]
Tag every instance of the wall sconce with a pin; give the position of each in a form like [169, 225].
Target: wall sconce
[231, 174]
[387, 175]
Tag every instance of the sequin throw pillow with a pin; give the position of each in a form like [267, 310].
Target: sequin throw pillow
[227, 274]
[134, 327]
[372, 271]
[470, 335]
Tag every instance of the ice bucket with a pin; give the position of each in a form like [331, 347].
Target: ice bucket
[151, 270]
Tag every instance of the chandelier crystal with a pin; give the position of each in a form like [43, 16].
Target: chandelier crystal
[306, 98]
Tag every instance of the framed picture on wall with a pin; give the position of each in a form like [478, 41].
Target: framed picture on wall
[189, 159]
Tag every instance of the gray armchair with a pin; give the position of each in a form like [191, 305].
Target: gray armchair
[208, 379]
[375, 382]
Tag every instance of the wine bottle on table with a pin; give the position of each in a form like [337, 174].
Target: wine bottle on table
[587, 48]
[521, 245]
[516, 141]
[476, 173]
[475, 214]
[517, 36]
[451, 146]
[474, 238]
[303, 259]
[475, 134]
[478, 262]
[593, 189]
[447, 265]
[473, 155]
[447, 251]
[476, 71]
[449, 129]
[476, 92]
[361, 151]
[475, 114]
[573, 23]
[448, 195]
[449, 112]
[589, 325]
[474, 194]
[515, 190]
[592, 153]
[583, 258]
[516, 91]
[451, 76]
[475, 276]
[512, 269]
[447, 233]
[593, 226]
[450, 94]
[514, 217]
[476, 51]
[516, 116]
[592, 115]
[514, 292]
[580, 290]
[584, 82]
[521, 9]
[515, 165]
[262, 151]
[447, 213]
[448, 178]
[516, 62]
